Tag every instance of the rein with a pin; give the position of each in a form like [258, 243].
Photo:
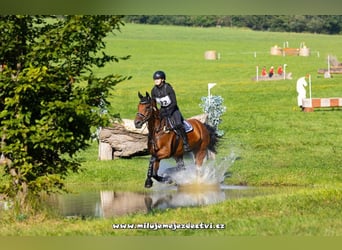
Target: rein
[149, 109]
[157, 131]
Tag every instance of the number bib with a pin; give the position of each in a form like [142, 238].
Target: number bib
[164, 101]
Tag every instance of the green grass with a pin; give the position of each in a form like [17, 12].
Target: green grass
[277, 145]
[262, 122]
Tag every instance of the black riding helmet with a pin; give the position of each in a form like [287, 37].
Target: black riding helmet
[159, 75]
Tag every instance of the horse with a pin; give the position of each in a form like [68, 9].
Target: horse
[164, 143]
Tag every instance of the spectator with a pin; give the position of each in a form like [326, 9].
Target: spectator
[263, 71]
[280, 70]
[271, 72]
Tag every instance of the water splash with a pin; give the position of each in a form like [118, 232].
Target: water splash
[194, 186]
[212, 172]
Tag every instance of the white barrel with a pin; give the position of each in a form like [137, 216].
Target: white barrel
[304, 51]
[210, 55]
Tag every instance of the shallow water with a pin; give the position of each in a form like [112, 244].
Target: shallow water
[191, 187]
[109, 203]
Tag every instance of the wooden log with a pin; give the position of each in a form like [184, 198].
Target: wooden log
[291, 51]
[105, 151]
[121, 142]
[333, 70]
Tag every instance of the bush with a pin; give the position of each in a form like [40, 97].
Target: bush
[214, 108]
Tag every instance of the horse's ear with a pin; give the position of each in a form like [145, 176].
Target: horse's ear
[140, 95]
[147, 95]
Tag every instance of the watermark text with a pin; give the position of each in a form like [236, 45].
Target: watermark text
[169, 226]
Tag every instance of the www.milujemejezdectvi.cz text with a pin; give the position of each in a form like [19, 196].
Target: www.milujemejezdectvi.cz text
[171, 226]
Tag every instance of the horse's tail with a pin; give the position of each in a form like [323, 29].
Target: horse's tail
[213, 138]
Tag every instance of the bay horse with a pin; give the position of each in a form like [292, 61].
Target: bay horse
[163, 142]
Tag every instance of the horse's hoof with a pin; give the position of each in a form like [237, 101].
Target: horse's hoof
[180, 168]
[167, 180]
[148, 183]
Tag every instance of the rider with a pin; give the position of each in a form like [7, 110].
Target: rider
[164, 95]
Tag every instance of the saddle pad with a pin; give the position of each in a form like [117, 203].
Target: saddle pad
[187, 126]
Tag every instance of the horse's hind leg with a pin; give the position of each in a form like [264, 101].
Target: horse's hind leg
[200, 155]
[199, 159]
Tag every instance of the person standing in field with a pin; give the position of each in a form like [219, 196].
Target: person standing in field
[301, 84]
[280, 70]
[163, 94]
[264, 71]
[271, 72]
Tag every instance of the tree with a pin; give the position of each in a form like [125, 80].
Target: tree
[50, 98]
[326, 24]
[315, 24]
[332, 24]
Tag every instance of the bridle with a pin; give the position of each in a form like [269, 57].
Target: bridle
[148, 110]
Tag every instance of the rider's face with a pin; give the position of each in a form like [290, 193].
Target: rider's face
[158, 81]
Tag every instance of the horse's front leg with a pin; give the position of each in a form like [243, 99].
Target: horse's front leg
[148, 181]
[153, 172]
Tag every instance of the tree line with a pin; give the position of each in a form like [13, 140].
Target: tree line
[322, 24]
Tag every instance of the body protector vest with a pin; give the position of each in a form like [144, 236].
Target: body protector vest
[166, 97]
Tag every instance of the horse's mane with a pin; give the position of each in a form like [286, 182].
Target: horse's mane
[156, 111]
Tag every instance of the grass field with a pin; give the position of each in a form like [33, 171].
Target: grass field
[276, 143]
[262, 123]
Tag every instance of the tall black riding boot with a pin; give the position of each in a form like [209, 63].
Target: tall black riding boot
[184, 136]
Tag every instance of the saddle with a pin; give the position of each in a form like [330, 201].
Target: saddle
[187, 126]
[169, 127]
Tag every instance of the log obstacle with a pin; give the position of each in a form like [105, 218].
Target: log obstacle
[291, 52]
[310, 104]
[277, 51]
[122, 140]
[332, 70]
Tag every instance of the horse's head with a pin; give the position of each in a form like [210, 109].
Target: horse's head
[145, 109]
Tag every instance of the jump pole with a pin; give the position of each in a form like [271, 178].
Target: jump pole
[310, 90]
[210, 85]
[257, 73]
